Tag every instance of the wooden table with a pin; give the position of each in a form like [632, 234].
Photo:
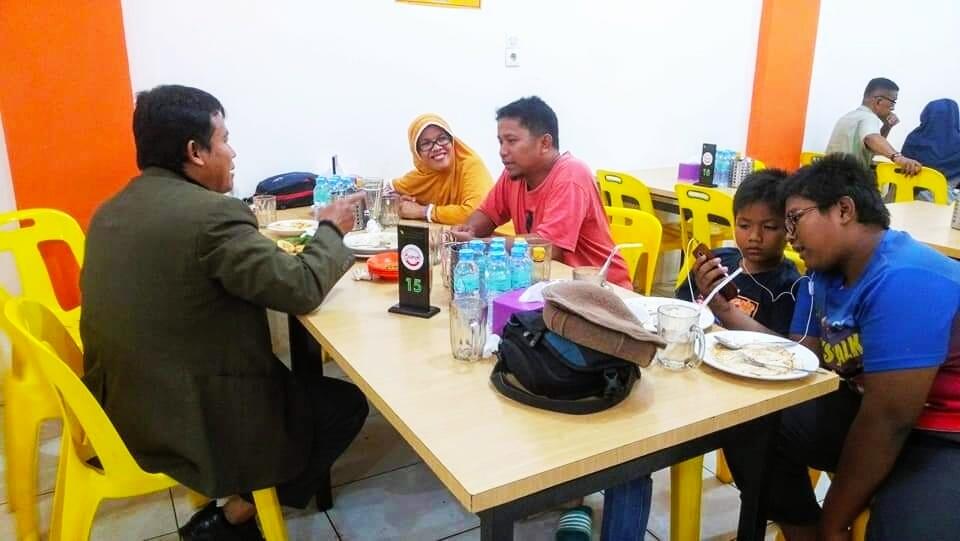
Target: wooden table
[503, 460]
[661, 181]
[929, 223]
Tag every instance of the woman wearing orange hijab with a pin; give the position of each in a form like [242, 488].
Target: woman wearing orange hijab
[449, 180]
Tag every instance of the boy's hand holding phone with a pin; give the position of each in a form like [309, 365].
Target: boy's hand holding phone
[707, 274]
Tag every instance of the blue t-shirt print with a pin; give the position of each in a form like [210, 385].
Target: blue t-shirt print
[900, 314]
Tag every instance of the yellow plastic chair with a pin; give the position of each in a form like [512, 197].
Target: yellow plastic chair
[82, 483]
[636, 226]
[807, 157]
[29, 400]
[928, 179]
[790, 254]
[758, 165]
[622, 190]
[698, 207]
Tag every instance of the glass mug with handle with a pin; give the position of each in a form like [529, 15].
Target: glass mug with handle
[679, 326]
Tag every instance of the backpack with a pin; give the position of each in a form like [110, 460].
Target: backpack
[292, 189]
[555, 373]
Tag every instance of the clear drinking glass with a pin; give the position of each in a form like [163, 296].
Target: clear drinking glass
[679, 326]
[373, 192]
[265, 209]
[541, 252]
[588, 274]
[389, 210]
[448, 260]
[468, 328]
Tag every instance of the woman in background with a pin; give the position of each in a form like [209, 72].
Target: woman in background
[936, 141]
[449, 180]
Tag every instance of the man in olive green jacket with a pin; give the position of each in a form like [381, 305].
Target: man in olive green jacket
[175, 285]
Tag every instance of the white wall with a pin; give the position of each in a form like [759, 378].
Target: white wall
[917, 45]
[632, 81]
[8, 273]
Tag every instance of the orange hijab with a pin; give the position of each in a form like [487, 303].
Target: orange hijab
[429, 186]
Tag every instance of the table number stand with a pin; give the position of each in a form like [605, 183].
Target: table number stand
[414, 246]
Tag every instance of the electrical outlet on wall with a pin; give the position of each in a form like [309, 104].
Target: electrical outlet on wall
[511, 53]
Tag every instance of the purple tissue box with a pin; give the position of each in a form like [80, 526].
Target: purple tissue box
[688, 172]
[506, 305]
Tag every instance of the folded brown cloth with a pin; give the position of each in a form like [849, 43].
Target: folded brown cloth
[597, 318]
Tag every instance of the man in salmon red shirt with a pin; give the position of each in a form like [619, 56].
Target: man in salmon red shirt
[545, 193]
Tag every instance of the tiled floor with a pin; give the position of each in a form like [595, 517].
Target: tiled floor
[382, 491]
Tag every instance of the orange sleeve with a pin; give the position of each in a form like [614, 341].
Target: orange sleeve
[476, 185]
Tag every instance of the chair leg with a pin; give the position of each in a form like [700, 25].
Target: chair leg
[22, 438]
[270, 514]
[75, 500]
[686, 484]
[723, 471]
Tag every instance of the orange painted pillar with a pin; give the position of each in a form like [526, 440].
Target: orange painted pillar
[781, 82]
[66, 102]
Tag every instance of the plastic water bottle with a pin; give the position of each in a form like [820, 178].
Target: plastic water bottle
[722, 169]
[479, 247]
[498, 273]
[521, 267]
[321, 192]
[522, 242]
[498, 243]
[466, 276]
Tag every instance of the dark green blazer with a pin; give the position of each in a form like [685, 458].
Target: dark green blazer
[176, 344]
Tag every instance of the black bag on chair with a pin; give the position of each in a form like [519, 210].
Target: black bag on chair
[292, 189]
[555, 373]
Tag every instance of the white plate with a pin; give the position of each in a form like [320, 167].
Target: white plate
[367, 244]
[803, 357]
[645, 308]
[292, 227]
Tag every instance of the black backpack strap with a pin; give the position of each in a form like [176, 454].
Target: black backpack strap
[577, 407]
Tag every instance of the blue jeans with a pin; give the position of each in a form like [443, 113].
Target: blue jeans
[626, 509]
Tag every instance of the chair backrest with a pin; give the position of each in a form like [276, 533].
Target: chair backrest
[622, 190]
[928, 179]
[698, 206]
[629, 226]
[32, 234]
[807, 157]
[42, 339]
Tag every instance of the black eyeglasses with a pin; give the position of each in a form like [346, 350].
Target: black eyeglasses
[892, 101]
[426, 145]
[793, 219]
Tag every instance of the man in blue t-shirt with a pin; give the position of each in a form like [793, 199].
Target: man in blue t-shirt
[881, 311]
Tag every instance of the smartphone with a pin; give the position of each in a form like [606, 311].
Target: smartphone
[730, 290]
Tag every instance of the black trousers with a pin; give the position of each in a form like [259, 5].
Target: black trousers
[917, 500]
[339, 411]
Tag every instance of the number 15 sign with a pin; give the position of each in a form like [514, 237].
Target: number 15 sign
[414, 245]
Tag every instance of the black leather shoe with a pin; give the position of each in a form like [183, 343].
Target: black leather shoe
[210, 524]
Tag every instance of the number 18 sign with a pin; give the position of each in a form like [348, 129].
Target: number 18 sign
[414, 245]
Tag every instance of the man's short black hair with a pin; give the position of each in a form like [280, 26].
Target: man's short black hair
[761, 187]
[535, 115]
[166, 118]
[881, 84]
[834, 176]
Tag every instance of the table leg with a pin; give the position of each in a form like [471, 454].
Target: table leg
[495, 525]
[753, 523]
[305, 352]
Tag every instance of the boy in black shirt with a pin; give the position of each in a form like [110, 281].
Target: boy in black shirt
[768, 281]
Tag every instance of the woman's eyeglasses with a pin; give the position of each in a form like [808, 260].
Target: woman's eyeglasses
[426, 145]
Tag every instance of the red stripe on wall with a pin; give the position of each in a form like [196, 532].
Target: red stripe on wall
[66, 102]
[781, 84]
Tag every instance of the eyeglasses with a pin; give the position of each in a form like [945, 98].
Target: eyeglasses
[426, 145]
[793, 219]
[892, 101]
